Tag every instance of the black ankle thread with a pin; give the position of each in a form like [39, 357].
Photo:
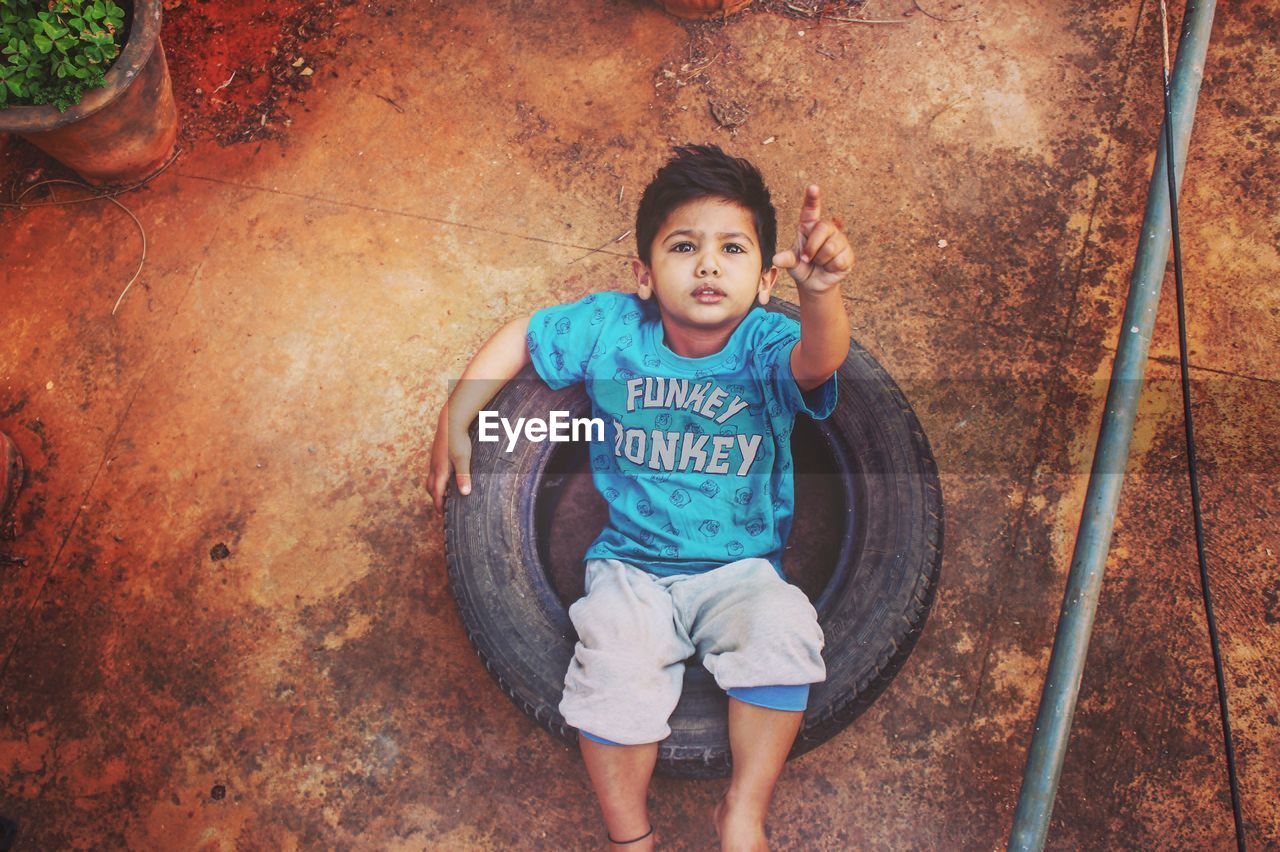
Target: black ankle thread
[632, 840]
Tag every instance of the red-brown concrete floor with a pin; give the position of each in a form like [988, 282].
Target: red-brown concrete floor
[331, 247]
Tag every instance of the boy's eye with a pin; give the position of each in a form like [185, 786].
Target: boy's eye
[682, 247]
[734, 248]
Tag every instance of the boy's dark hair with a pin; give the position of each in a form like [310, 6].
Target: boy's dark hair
[705, 171]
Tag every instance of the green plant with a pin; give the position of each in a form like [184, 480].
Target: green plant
[54, 50]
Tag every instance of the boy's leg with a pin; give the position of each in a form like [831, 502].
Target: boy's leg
[753, 630]
[760, 739]
[622, 685]
[620, 776]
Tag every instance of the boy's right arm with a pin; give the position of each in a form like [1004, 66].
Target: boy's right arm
[497, 362]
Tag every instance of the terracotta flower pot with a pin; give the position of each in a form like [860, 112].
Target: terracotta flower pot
[703, 10]
[120, 132]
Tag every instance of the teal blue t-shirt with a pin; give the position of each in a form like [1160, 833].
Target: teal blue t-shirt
[696, 458]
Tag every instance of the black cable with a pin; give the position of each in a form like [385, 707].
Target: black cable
[1194, 474]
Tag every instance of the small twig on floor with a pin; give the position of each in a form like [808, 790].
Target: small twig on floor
[946, 107]
[224, 85]
[397, 106]
[691, 73]
[929, 14]
[602, 247]
[808, 13]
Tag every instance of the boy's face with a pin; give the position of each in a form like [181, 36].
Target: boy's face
[705, 267]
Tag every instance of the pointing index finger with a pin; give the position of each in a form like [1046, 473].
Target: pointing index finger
[811, 212]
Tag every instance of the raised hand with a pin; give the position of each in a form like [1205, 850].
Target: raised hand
[821, 255]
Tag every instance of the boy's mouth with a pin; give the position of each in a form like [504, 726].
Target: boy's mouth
[708, 294]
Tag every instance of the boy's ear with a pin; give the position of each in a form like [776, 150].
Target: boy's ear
[767, 279]
[644, 279]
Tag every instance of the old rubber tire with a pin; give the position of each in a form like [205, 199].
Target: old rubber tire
[872, 597]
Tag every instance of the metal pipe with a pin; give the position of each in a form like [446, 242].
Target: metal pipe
[1093, 540]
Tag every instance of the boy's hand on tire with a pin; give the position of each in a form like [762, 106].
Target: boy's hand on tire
[450, 451]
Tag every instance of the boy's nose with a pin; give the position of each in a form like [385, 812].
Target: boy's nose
[707, 266]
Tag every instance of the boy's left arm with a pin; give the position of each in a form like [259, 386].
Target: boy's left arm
[818, 261]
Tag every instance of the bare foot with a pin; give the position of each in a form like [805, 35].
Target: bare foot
[739, 831]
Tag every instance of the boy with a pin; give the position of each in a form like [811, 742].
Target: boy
[700, 389]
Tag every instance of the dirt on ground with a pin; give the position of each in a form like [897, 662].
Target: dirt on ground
[247, 64]
[245, 67]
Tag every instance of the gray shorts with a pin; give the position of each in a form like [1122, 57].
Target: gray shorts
[635, 631]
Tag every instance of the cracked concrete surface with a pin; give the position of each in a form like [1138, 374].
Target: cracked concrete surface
[232, 628]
